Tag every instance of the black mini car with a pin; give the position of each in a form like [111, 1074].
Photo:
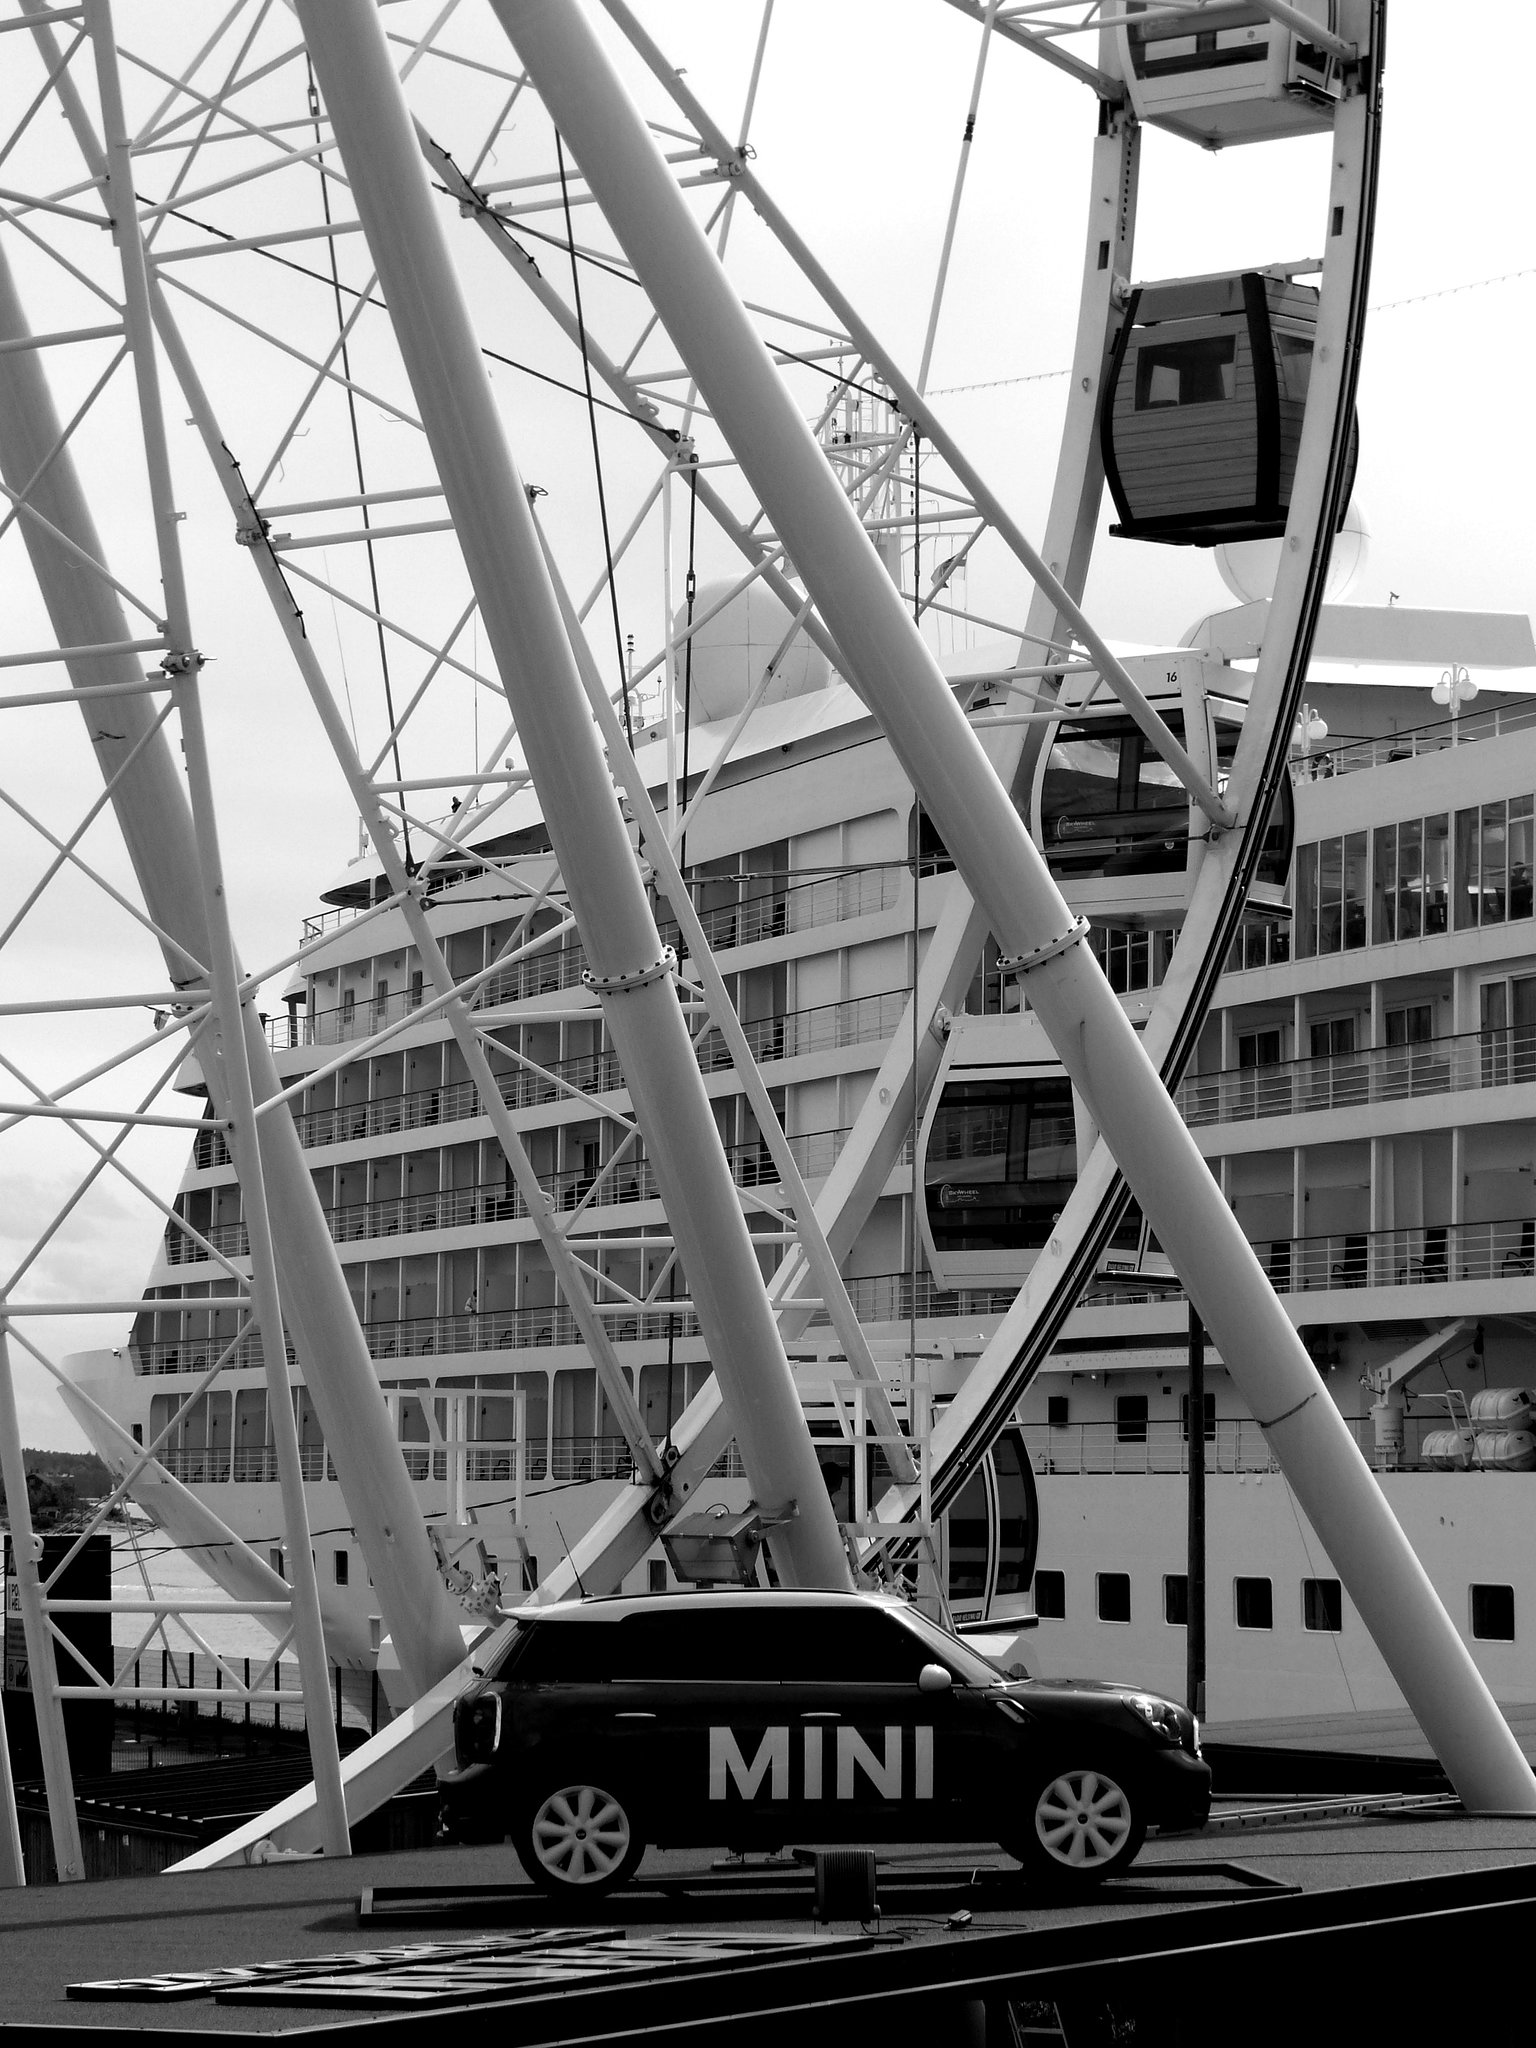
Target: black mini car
[754, 1719]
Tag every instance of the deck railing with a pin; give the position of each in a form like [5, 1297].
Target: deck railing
[859, 1021]
[500, 1201]
[1388, 1073]
[831, 899]
[1471, 727]
[564, 1458]
[1420, 1255]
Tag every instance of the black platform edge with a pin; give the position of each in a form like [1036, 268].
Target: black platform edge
[715, 1896]
[1259, 1969]
[1241, 1770]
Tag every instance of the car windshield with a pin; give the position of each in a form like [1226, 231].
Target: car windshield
[972, 1667]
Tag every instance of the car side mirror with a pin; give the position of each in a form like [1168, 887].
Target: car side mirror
[934, 1678]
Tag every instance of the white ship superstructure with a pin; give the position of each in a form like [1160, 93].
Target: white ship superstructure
[1362, 1089]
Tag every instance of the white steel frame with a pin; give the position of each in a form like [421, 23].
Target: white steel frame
[702, 393]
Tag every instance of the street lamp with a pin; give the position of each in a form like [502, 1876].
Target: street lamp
[1309, 729]
[1454, 688]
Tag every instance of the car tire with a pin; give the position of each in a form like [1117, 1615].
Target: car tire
[1080, 1827]
[579, 1837]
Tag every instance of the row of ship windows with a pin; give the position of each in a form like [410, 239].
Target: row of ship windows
[1415, 878]
[1490, 1608]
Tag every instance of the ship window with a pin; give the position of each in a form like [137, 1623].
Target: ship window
[1176, 1599]
[341, 1562]
[1414, 1024]
[1334, 1038]
[1057, 1410]
[1437, 873]
[657, 1575]
[1254, 1603]
[1356, 888]
[1384, 886]
[1200, 371]
[1322, 1606]
[1051, 1596]
[1519, 846]
[1259, 1048]
[1493, 863]
[1306, 902]
[1114, 1596]
[1493, 1614]
[1131, 1418]
[1330, 896]
[1410, 878]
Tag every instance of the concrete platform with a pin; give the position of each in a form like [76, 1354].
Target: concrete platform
[52, 1937]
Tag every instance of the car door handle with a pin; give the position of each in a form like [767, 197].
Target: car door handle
[628, 1716]
[821, 1717]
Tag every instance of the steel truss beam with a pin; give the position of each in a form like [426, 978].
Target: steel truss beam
[527, 633]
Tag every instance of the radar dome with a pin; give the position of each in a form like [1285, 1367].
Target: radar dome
[731, 650]
[1249, 567]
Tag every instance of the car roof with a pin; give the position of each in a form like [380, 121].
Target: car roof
[619, 1607]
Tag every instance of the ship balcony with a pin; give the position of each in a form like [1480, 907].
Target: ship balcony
[831, 899]
[631, 1180]
[1493, 722]
[1472, 1060]
[793, 1034]
[568, 1458]
[1232, 1444]
[1347, 1276]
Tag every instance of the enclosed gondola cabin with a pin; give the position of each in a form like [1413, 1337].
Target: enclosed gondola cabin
[1203, 408]
[1228, 74]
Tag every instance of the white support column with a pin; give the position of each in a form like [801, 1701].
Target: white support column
[150, 803]
[13, 1871]
[899, 679]
[522, 618]
[221, 1044]
[26, 1548]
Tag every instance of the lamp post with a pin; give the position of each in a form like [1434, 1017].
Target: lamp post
[1454, 688]
[1309, 729]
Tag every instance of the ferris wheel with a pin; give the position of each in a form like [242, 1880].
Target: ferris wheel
[349, 250]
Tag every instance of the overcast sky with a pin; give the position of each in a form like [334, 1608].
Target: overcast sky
[856, 132]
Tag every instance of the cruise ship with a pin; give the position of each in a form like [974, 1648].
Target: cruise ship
[1364, 1088]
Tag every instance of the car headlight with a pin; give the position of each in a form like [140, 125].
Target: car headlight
[1171, 1723]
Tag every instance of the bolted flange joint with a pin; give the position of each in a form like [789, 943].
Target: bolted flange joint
[626, 984]
[1023, 963]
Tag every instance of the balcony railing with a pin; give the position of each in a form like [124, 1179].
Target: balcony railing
[832, 899]
[860, 1021]
[1388, 1073]
[1423, 1255]
[1472, 726]
[1093, 1448]
[565, 1458]
[632, 1180]
[1233, 1444]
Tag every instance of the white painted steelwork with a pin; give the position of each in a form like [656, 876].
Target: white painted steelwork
[523, 622]
[1005, 870]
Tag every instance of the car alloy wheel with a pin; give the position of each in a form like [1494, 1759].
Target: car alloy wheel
[1084, 1826]
[581, 1838]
